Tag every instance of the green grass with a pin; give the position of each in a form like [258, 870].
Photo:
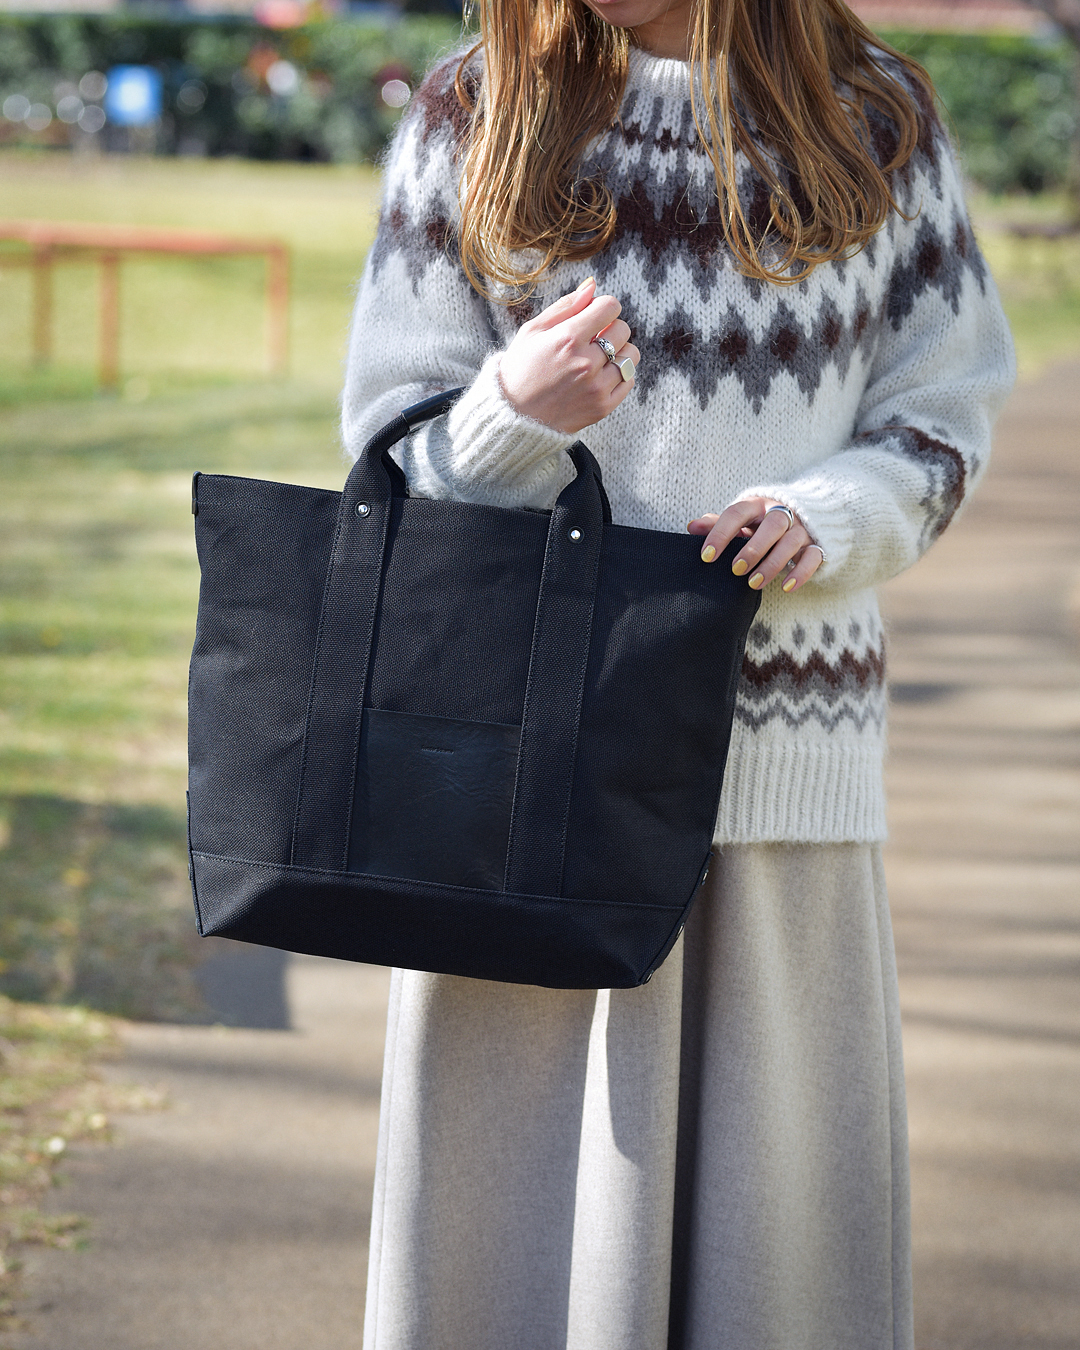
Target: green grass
[98, 590]
[201, 316]
[1039, 279]
[98, 576]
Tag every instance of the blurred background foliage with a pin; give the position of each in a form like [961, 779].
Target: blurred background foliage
[1011, 103]
[323, 100]
[98, 577]
[1012, 100]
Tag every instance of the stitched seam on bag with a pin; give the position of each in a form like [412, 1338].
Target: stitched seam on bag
[438, 886]
[339, 526]
[191, 865]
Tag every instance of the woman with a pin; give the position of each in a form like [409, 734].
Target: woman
[763, 199]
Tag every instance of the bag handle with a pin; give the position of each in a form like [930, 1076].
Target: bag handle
[376, 454]
[557, 664]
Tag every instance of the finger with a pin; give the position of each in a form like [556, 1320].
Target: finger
[594, 317]
[617, 333]
[615, 367]
[622, 388]
[726, 526]
[772, 529]
[566, 305]
[809, 562]
[776, 560]
[702, 524]
[627, 350]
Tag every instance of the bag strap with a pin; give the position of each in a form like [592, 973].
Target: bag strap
[556, 683]
[343, 644]
[557, 664]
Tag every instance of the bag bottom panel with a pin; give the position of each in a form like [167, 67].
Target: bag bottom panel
[517, 939]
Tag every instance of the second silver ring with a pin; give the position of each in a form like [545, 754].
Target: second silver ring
[625, 366]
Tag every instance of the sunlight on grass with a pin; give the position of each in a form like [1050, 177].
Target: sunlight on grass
[100, 579]
[98, 591]
[195, 314]
[1039, 279]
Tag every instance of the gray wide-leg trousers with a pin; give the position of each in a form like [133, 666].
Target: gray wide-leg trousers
[715, 1161]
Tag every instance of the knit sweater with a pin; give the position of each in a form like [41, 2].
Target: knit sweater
[862, 397]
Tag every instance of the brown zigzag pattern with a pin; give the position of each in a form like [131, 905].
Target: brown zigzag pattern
[846, 687]
[944, 465]
[672, 219]
[418, 244]
[670, 344]
[936, 261]
[754, 361]
[437, 106]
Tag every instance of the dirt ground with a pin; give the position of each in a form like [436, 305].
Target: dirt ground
[236, 1219]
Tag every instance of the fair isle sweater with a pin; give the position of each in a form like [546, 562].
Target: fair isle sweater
[862, 397]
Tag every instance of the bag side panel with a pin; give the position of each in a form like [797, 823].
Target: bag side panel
[668, 634]
[518, 939]
[263, 550]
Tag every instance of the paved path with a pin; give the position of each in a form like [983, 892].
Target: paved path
[984, 876]
[236, 1220]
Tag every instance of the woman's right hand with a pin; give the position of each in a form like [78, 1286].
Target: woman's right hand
[555, 373]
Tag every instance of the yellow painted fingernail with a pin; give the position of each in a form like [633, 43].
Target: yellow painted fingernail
[790, 584]
[740, 567]
[708, 553]
[755, 581]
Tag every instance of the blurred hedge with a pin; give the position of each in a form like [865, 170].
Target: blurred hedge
[335, 113]
[1011, 100]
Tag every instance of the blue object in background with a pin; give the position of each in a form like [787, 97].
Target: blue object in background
[133, 96]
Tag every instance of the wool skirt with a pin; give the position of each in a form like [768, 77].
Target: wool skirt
[715, 1161]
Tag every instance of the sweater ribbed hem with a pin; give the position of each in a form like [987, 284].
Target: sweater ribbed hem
[808, 793]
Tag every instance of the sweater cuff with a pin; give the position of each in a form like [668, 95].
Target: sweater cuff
[510, 458]
[823, 511]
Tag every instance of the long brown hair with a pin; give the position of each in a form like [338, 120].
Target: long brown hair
[809, 80]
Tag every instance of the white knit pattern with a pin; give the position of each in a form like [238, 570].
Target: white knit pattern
[862, 397]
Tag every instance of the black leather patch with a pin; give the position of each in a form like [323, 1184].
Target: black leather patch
[433, 799]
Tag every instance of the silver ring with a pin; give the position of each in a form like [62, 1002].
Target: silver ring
[625, 367]
[787, 512]
[824, 559]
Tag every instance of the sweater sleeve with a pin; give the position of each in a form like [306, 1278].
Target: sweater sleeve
[419, 327]
[942, 367]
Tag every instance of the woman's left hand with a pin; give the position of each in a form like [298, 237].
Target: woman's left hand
[773, 544]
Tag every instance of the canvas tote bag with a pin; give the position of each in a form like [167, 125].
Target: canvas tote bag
[455, 737]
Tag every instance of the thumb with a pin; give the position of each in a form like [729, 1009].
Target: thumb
[567, 305]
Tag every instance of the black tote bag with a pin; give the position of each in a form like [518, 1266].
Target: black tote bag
[455, 737]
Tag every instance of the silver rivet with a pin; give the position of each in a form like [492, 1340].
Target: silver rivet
[575, 535]
[362, 509]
